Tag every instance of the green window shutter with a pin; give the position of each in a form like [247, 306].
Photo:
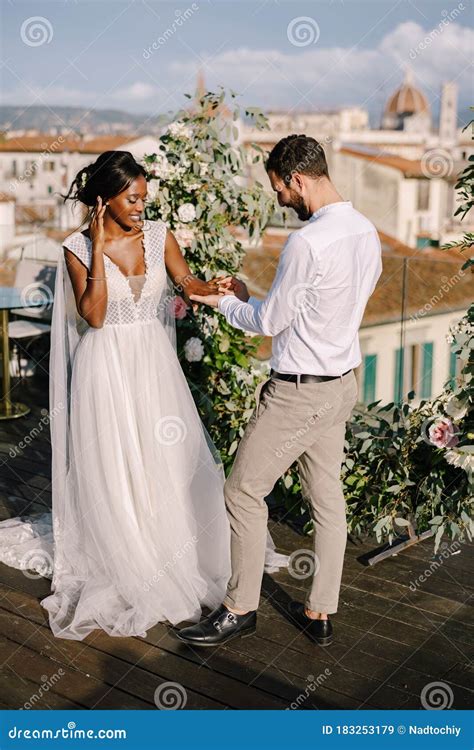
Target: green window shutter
[398, 375]
[427, 369]
[452, 368]
[370, 372]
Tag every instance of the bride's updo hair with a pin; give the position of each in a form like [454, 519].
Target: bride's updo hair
[108, 176]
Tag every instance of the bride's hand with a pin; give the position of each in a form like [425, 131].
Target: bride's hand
[200, 287]
[96, 228]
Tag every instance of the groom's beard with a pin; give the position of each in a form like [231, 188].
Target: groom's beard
[299, 206]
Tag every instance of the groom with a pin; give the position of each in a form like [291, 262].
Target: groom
[326, 273]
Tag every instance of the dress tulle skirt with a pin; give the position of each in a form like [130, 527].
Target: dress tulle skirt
[144, 537]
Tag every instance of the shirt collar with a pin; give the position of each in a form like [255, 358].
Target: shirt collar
[330, 207]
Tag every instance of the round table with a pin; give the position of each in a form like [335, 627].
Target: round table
[11, 298]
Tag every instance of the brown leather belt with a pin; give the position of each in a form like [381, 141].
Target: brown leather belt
[305, 378]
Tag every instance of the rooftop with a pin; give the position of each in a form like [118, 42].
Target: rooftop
[60, 144]
[408, 167]
[390, 641]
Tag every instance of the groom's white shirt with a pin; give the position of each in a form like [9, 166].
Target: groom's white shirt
[326, 273]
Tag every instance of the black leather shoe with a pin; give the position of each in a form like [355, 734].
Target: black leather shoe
[218, 628]
[319, 631]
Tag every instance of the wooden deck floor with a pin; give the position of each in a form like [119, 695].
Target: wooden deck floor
[389, 642]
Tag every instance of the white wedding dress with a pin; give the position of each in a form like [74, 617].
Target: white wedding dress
[138, 532]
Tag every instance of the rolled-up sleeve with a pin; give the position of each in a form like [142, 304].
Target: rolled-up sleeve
[295, 277]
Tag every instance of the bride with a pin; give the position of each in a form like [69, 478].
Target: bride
[138, 530]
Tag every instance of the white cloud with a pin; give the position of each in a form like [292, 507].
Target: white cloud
[137, 92]
[321, 76]
[302, 77]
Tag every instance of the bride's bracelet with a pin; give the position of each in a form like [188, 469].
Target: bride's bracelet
[98, 278]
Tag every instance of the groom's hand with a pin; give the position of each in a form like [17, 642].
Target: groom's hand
[234, 286]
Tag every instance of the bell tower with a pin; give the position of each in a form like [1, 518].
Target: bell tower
[448, 114]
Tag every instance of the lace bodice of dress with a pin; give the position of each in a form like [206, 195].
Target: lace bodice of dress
[130, 299]
[136, 285]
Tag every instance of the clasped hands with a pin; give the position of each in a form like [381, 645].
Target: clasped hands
[210, 292]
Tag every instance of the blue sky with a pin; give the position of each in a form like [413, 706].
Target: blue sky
[303, 55]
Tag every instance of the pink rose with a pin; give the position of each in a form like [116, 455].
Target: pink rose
[441, 433]
[178, 307]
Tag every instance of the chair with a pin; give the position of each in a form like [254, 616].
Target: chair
[36, 279]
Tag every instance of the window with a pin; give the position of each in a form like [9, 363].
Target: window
[413, 371]
[49, 166]
[369, 377]
[422, 242]
[398, 375]
[423, 195]
[454, 368]
[426, 369]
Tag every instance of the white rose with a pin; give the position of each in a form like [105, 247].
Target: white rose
[455, 408]
[211, 197]
[243, 376]
[168, 171]
[179, 130]
[186, 212]
[162, 168]
[153, 189]
[193, 350]
[461, 457]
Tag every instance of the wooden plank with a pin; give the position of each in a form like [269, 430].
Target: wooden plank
[73, 686]
[27, 465]
[161, 637]
[17, 692]
[366, 581]
[162, 665]
[18, 506]
[10, 480]
[287, 541]
[405, 629]
[260, 653]
[345, 640]
[112, 673]
[444, 583]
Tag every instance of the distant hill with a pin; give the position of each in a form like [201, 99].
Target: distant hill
[57, 120]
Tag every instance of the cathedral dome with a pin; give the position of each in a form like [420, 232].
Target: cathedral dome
[407, 101]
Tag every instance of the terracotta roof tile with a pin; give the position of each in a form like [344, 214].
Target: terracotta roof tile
[60, 144]
[409, 167]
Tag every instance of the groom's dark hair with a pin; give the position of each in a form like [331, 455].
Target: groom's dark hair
[297, 153]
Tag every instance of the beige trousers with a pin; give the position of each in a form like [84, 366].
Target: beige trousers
[303, 422]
